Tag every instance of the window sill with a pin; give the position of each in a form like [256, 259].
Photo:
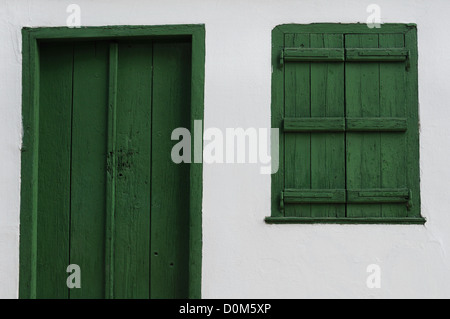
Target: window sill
[345, 220]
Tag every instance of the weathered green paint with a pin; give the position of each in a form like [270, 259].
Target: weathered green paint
[314, 196]
[344, 220]
[53, 214]
[377, 54]
[377, 124]
[383, 195]
[297, 104]
[277, 100]
[29, 168]
[107, 204]
[350, 125]
[412, 138]
[314, 124]
[338, 28]
[340, 124]
[111, 169]
[314, 96]
[170, 182]
[372, 196]
[313, 55]
[134, 174]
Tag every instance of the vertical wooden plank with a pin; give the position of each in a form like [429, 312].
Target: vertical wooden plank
[111, 171]
[297, 97]
[29, 164]
[55, 108]
[196, 170]
[327, 149]
[362, 81]
[170, 181]
[133, 151]
[278, 180]
[412, 110]
[392, 104]
[89, 148]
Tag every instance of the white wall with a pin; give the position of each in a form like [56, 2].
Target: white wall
[242, 256]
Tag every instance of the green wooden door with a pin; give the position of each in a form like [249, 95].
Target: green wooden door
[110, 199]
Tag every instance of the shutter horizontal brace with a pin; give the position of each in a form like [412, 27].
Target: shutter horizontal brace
[376, 55]
[376, 124]
[341, 55]
[341, 124]
[314, 124]
[342, 196]
[312, 55]
[297, 196]
[378, 196]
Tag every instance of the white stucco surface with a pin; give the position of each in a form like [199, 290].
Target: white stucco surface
[242, 256]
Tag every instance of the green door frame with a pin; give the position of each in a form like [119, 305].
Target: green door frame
[30, 143]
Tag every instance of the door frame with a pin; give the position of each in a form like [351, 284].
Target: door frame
[30, 142]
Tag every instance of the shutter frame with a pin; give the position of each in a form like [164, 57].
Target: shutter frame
[316, 125]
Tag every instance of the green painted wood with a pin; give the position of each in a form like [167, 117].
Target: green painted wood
[313, 158]
[196, 171]
[384, 54]
[393, 145]
[346, 220]
[327, 150]
[88, 179]
[133, 156]
[297, 103]
[278, 91]
[387, 162]
[336, 28]
[381, 114]
[170, 182]
[314, 124]
[340, 124]
[313, 54]
[412, 110]
[378, 196]
[298, 196]
[111, 170]
[116, 31]
[54, 170]
[29, 188]
[362, 84]
[376, 124]
[29, 164]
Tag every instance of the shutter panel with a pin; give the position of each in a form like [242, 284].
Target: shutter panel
[375, 86]
[346, 99]
[314, 144]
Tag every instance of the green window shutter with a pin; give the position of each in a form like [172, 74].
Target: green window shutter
[345, 98]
